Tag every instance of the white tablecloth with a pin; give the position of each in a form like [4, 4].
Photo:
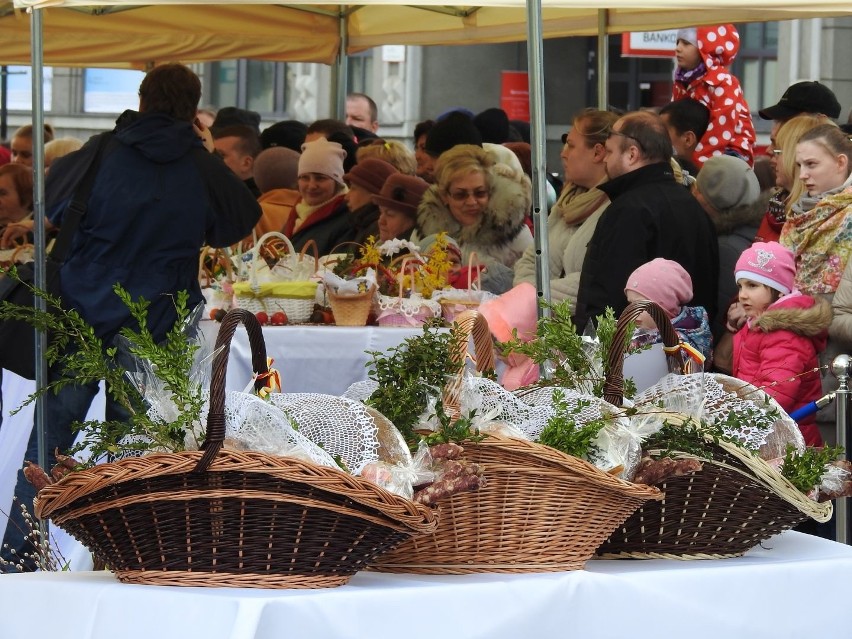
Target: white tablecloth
[320, 359]
[311, 359]
[795, 587]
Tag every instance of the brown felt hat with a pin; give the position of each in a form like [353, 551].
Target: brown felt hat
[402, 193]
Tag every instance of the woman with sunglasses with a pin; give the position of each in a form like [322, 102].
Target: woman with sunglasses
[482, 206]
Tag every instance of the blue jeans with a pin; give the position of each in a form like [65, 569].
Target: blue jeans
[60, 411]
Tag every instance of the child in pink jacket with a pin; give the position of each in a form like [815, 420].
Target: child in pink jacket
[777, 348]
[703, 56]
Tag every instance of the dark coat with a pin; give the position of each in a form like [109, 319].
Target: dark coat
[651, 216]
[365, 222]
[328, 226]
[158, 197]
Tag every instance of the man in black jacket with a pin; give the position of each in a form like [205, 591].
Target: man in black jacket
[651, 216]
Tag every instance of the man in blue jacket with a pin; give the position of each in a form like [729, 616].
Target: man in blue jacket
[160, 194]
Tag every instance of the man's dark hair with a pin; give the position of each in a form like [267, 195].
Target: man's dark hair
[374, 109]
[330, 127]
[649, 133]
[172, 89]
[687, 114]
[423, 128]
[249, 141]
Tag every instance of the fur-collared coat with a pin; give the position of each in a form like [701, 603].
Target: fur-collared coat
[499, 237]
[779, 350]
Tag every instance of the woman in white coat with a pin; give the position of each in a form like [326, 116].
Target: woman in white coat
[573, 218]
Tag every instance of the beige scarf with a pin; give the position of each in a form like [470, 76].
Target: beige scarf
[576, 203]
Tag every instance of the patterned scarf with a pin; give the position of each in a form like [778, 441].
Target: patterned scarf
[819, 231]
[685, 77]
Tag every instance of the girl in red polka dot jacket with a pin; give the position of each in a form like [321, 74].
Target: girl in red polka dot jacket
[703, 55]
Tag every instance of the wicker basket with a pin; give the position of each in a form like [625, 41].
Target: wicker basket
[406, 311]
[284, 292]
[226, 518]
[540, 511]
[736, 501]
[351, 310]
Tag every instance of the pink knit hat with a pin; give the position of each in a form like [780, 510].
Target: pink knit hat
[767, 263]
[664, 282]
[324, 157]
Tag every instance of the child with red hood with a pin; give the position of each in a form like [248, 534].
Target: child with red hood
[778, 346]
[703, 55]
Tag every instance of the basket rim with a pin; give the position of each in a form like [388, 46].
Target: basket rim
[408, 514]
[572, 464]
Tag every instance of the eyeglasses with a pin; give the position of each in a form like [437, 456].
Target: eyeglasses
[629, 137]
[462, 196]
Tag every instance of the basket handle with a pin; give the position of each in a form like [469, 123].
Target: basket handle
[470, 324]
[311, 243]
[470, 262]
[216, 414]
[614, 383]
[256, 251]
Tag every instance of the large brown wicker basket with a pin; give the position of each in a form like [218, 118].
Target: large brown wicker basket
[736, 501]
[227, 518]
[540, 511]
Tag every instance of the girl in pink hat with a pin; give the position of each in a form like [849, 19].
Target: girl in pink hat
[667, 283]
[778, 346]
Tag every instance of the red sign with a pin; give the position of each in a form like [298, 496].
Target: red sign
[515, 95]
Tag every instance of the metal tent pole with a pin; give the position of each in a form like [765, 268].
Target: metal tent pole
[840, 368]
[535, 57]
[603, 60]
[37, 53]
[340, 71]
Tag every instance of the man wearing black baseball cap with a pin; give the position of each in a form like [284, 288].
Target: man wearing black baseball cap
[803, 97]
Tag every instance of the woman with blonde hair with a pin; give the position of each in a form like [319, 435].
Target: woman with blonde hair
[783, 161]
[394, 153]
[22, 143]
[58, 147]
[476, 204]
[576, 212]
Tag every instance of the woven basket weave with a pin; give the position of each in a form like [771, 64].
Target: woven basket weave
[351, 310]
[540, 511]
[736, 501]
[227, 518]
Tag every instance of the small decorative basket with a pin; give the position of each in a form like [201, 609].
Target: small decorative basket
[216, 277]
[729, 506]
[351, 310]
[227, 518]
[406, 311]
[540, 511]
[457, 300]
[284, 286]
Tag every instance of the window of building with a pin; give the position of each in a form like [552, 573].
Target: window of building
[111, 90]
[257, 85]
[19, 88]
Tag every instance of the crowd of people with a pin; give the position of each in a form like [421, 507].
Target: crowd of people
[747, 254]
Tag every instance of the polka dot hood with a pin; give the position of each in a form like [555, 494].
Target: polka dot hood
[718, 45]
[730, 131]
